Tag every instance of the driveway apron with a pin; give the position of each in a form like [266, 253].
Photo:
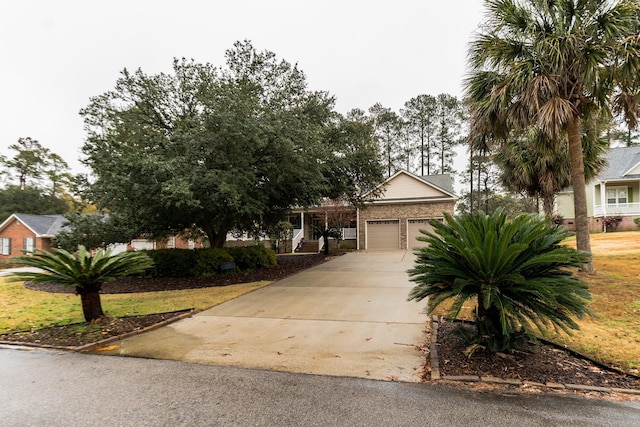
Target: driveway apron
[347, 317]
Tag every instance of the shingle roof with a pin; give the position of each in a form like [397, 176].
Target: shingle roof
[42, 225]
[620, 161]
[445, 181]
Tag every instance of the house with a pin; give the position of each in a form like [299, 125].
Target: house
[614, 192]
[392, 221]
[27, 232]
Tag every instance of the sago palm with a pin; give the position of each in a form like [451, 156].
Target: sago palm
[552, 64]
[84, 271]
[518, 273]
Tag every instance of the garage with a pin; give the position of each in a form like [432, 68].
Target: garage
[413, 230]
[384, 234]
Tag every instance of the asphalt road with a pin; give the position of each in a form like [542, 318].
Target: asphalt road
[55, 388]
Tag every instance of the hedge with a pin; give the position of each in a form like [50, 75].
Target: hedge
[207, 262]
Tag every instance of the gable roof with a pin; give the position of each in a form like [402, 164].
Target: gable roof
[404, 186]
[622, 163]
[40, 225]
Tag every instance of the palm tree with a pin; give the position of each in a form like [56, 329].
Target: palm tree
[518, 272]
[81, 269]
[539, 166]
[552, 64]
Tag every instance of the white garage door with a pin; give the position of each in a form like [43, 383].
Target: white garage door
[383, 234]
[413, 230]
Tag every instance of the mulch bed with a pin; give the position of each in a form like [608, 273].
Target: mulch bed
[541, 363]
[287, 265]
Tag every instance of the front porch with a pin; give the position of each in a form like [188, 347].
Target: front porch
[308, 227]
[622, 209]
[616, 198]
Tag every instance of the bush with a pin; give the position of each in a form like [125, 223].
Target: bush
[252, 257]
[208, 261]
[557, 219]
[637, 221]
[347, 246]
[172, 262]
[517, 271]
[610, 223]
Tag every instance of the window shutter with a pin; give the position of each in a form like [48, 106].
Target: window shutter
[630, 192]
[9, 246]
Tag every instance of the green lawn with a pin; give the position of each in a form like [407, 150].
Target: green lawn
[24, 309]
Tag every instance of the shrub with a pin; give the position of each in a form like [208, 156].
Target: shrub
[637, 221]
[208, 261]
[517, 271]
[172, 262]
[610, 223]
[347, 246]
[557, 219]
[252, 257]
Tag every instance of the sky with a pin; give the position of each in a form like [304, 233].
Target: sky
[58, 54]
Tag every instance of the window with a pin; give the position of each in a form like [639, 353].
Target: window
[171, 243]
[29, 244]
[617, 195]
[5, 246]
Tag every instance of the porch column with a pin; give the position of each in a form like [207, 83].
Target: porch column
[358, 229]
[603, 198]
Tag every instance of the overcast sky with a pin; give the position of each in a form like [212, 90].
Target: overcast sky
[57, 54]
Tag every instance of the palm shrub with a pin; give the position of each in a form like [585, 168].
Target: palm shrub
[517, 270]
[83, 270]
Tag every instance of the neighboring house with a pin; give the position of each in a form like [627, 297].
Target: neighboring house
[392, 221]
[26, 232]
[614, 192]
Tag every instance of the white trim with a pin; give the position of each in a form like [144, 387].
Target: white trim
[631, 168]
[409, 201]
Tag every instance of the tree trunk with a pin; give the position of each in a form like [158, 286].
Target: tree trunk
[547, 205]
[583, 239]
[91, 304]
[218, 238]
[325, 236]
[490, 314]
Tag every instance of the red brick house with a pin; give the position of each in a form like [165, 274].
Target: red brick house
[26, 232]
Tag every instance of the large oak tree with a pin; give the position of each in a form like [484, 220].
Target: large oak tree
[230, 148]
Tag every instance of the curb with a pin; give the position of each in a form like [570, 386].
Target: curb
[435, 374]
[94, 345]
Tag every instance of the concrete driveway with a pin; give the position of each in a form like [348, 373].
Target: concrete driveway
[346, 317]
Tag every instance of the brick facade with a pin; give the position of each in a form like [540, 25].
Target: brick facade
[402, 212]
[17, 232]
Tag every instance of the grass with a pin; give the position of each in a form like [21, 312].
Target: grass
[612, 336]
[23, 309]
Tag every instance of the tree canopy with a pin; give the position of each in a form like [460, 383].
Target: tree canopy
[230, 148]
